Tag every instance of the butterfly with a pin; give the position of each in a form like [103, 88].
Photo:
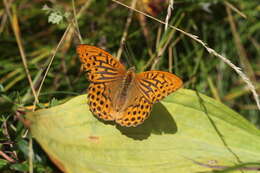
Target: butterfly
[121, 95]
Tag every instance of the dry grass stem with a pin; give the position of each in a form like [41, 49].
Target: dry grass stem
[125, 33]
[240, 73]
[75, 21]
[153, 56]
[146, 33]
[3, 22]
[161, 49]
[51, 60]
[210, 51]
[169, 12]
[235, 9]
[170, 57]
[15, 26]
[83, 8]
[240, 48]
[30, 155]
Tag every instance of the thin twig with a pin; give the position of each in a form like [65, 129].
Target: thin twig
[170, 56]
[50, 63]
[158, 37]
[125, 33]
[161, 47]
[210, 51]
[3, 23]
[161, 50]
[169, 12]
[153, 57]
[4, 17]
[146, 31]
[9, 159]
[235, 9]
[30, 155]
[76, 21]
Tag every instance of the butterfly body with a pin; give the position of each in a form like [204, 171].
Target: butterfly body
[120, 95]
[126, 86]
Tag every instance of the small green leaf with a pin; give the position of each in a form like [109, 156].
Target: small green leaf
[3, 163]
[23, 146]
[40, 105]
[54, 102]
[55, 15]
[20, 166]
[55, 18]
[186, 132]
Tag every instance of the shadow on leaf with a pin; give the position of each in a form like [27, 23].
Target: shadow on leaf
[160, 122]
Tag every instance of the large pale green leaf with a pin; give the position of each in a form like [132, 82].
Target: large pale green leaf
[186, 132]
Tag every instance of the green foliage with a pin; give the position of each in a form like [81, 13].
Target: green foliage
[55, 16]
[3, 163]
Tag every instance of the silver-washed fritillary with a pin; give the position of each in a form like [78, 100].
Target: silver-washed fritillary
[120, 95]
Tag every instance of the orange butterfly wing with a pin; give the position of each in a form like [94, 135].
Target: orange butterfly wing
[155, 85]
[103, 69]
[99, 101]
[136, 113]
[101, 66]
[152, 86]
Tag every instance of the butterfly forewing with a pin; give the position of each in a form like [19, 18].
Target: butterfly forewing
[101, 66]
[155, 85]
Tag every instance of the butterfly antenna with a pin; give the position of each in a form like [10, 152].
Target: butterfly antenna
[129, 55]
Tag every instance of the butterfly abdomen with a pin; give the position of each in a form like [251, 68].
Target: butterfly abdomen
[123, 91]
[126, 84]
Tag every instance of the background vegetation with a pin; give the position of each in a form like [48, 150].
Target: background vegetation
[32, 31]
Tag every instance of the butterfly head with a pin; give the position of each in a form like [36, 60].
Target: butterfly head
[132, 69]
[130, 73]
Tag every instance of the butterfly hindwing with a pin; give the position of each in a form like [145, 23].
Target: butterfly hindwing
[135, 114]
[155, 85]
[101, 66]
[99, 101]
